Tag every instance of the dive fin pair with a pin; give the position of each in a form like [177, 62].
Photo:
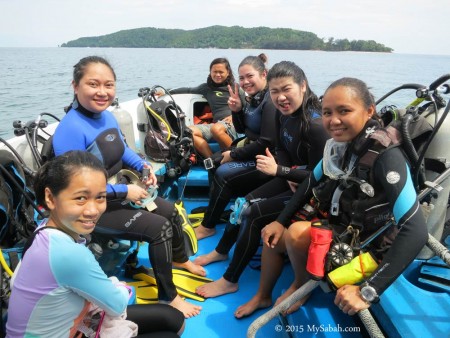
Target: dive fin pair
[185, 282]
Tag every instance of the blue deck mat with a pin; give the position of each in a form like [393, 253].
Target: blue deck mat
[216, 319]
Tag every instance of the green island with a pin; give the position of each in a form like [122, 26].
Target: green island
[223, 37]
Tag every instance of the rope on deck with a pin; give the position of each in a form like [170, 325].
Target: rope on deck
[439, 249]
[305, 289]
[262, 320]
[370, 324]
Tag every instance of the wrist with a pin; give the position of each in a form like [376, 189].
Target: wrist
[368, 293]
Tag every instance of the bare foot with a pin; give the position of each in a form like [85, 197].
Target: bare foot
[217, 288]
[211, 257]
[189, 310]
[202, 232]
[294, 307]
[257, 302]
[190, 266]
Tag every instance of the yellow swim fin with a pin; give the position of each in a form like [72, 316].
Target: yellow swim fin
[196, 219]
[190, 239]
[185, 282]
[145, 292]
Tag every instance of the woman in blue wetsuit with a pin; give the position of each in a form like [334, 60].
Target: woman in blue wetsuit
[89, 126]
[58, 278]
[301, 138]
[348, 113]
[215, 90]
[237, 174]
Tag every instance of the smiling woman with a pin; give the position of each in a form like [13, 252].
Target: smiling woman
[89, 126]
[72, 187]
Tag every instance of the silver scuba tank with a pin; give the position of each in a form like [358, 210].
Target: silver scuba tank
[125, 122]
[142, 126]
[437, 208]
[438, 148]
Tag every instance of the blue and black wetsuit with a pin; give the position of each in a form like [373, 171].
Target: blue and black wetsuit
[296, 154]
[238, 177]
[99, 134]
[394, 195]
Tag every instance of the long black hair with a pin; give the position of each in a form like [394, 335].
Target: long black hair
[56, 173]
[361, 90]
[311, 104]
[229, 80]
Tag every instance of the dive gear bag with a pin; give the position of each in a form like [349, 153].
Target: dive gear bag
[16, 208]
[167, 138]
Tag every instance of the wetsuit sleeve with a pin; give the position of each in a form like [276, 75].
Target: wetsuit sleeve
[239, 116]
[238, 121]
[75, 267]
[393, 173]
[133, 160]
[266, 137]
[301, 196]
[189, 90]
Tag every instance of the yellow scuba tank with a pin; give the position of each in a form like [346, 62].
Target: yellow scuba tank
[125, 122]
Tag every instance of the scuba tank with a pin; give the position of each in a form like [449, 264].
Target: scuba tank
[142, 126]
[125, 122]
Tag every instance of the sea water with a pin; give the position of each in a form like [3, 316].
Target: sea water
[37, 80]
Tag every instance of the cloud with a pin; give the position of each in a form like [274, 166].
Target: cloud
[406, 26]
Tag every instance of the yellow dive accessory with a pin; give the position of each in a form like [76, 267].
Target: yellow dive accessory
[358, 269]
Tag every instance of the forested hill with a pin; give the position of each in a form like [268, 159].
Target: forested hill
[226, 37]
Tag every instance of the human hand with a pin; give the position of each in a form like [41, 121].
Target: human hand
[228, 119]
[272, 233]
[234, 102]
[159, 93]
[293, 186]
[226, 157]
[151, 179]
[136, 193]
[266, 163]
[348, 299]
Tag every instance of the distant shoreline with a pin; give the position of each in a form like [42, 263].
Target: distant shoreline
[222, 37]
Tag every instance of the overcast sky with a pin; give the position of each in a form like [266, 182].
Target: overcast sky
[407, 26]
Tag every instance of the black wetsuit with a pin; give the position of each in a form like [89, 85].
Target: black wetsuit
[238, 177]
[293, 150]
[394, 194]
[99, 134]
[216, 95]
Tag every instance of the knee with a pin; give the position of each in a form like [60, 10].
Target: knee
[217, 129]
[298, 235]
[196, 132]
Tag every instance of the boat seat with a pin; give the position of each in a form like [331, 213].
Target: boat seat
[436, 273]
[407, 310]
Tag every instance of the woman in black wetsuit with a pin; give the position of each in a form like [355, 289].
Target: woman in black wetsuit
[348, 113]
[237, 174]
[301, 138]
[215, 90]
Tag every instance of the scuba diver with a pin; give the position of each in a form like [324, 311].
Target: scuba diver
[89, 126]
[360, 182]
